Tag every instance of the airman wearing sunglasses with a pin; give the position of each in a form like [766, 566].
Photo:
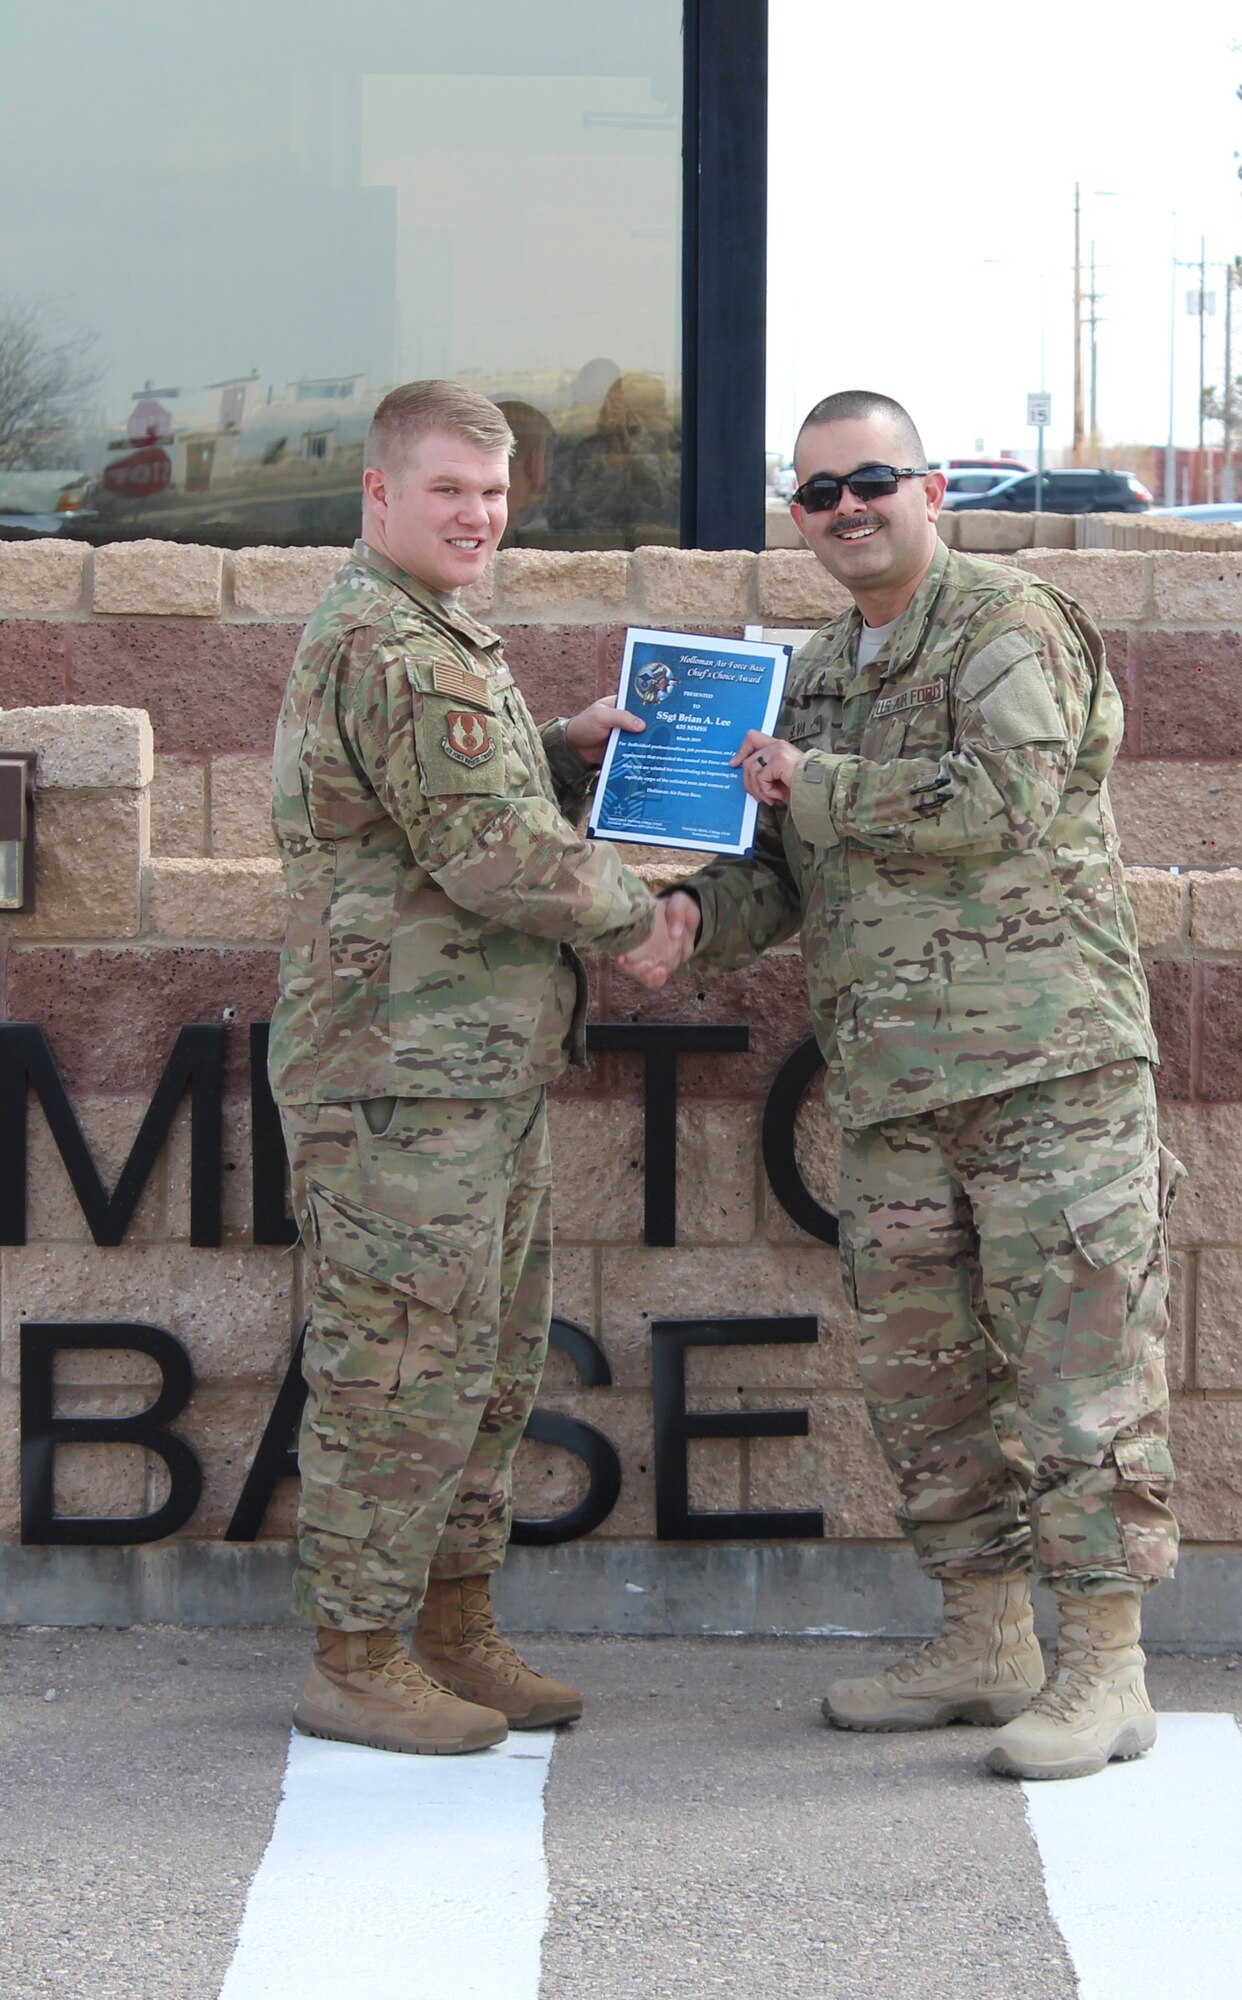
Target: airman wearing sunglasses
[939, 830]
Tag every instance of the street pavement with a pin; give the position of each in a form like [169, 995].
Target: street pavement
[704, 1833]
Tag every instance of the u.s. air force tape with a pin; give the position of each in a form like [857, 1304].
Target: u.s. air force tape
[911, 697]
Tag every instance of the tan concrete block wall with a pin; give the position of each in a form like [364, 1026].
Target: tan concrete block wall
[283, 583]
[559, 584]
[179, 808]
[90, 851]
[241, 807]
[45, 577]
[53, 1213]
[1216, 911]
[84, 749]
[692, 587]
[10, 1478]
[233, 1307]
[159, 580]
[1197, 589]
[1115, 587]
[1188, 815]
[157, 862]
[1160, 903]
[236, 901]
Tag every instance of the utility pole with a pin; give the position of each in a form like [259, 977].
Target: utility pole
[1199, 303]
[1093, 320]
[1076, 448]
[1202, 336]
[1226, 467]
[1170, 450]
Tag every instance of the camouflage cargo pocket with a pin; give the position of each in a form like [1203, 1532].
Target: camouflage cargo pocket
[335, 1510]
[1117, 1239]
[420, 1263]
[1144, 1461]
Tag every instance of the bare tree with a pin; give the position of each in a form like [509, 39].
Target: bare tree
[46, 375]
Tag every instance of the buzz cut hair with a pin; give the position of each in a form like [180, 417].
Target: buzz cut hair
[416, 409]
[866, 406]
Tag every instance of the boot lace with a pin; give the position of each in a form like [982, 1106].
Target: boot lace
[386, 1656]
[479, 1631]
[1061, 1697]
[949, 1650]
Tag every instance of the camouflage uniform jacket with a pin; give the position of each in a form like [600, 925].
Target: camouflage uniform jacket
[949, 851]
[433, 883]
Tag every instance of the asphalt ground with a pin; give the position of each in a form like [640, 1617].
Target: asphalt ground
[705, 1834]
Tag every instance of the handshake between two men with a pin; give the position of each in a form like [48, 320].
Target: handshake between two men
[767, 765]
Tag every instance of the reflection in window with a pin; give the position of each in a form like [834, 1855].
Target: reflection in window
[494, 197]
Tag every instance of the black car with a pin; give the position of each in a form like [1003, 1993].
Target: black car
[1072, 489]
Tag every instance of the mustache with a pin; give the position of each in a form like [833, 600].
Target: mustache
[859, 521]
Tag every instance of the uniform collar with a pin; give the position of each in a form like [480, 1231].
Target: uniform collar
[911, 629]
[453, 617]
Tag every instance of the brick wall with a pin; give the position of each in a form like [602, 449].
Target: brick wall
[147, 677]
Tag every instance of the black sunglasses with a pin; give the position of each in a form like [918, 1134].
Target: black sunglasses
[823, 490]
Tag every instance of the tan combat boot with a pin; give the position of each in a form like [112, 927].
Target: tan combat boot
[456, 1640]
[361, 1688]
[985, 1667]
[1095, 1705]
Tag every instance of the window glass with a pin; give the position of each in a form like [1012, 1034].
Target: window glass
[239, 225]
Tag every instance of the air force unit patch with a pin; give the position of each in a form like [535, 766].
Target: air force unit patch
[467, 737]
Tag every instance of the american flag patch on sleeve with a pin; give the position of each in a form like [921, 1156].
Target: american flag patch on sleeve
[460, 683]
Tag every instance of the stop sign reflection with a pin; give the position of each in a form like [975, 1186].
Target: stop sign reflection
[147, 421]
[139, 476]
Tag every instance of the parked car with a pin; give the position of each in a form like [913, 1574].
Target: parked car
[980, 464]
[1206, 510]
[1071, 489]
[964, 482]
[42, 503]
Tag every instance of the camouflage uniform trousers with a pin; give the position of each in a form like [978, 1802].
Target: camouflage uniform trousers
[427, 1222]
[1027, 1228]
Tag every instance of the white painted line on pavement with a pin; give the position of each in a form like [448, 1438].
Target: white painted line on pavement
[400, 1878]
[1143, 1866]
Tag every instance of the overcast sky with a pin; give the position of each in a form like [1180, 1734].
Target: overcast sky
[922, 172]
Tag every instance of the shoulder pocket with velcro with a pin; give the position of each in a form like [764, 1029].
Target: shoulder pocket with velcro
[1008, 689]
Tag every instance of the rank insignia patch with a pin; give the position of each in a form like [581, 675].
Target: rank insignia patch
[466, 738]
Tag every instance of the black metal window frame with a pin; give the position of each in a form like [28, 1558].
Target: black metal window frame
[724, 273]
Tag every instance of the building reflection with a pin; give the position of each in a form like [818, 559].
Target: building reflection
[243, 461]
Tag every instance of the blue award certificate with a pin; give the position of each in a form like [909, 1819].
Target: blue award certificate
[671, 786]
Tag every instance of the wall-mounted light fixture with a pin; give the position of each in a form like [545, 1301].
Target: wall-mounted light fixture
[17, 799]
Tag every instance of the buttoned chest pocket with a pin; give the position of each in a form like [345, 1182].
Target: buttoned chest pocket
[525, 762]
[816, 716]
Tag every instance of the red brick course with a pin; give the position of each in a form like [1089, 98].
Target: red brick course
[769, 998]
[1185, 694]
[111, 1017]
[1171, 982]
[1219, 1077]
[211, 689]
[34, 663]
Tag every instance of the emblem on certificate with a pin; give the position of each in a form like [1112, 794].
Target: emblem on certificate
[671, 785]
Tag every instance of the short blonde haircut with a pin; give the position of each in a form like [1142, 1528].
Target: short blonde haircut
[416, 409]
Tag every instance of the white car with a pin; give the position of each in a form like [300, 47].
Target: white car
[1207, 510]
[965, 481]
